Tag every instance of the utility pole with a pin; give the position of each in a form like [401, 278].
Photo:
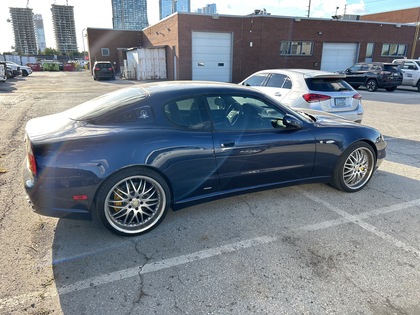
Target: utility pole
[309, 8]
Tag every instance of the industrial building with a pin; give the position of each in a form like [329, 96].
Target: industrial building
[230, 47]
[129, 14]
[24, 30]
[64, 27]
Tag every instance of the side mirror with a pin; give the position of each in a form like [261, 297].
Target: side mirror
[288, 122]
[348, 70]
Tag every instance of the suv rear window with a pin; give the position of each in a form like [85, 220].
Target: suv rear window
[391, 67]
[103, 65]
[327, 85]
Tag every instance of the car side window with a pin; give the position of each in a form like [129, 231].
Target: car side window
[240, 112]
[276, 80]
[256, 80]
[188, 113]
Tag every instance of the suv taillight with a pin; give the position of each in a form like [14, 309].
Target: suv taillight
[357, 96]
[313, 97]
[30, 156]
[96, 69]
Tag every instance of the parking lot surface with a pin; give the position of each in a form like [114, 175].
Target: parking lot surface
[303, 250]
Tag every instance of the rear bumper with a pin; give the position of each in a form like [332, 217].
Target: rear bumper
[53, 202]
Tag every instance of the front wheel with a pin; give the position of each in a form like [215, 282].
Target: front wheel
[371, 85]
[133, 201]
[354, 168]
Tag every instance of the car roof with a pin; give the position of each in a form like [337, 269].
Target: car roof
[180, 87]
[307, 73]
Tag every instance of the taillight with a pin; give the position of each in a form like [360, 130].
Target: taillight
[312, 97]
[96, 69]
[31, 157]
[357, 96]
[109, 68]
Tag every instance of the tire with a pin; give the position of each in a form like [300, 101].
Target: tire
[95, 78]
[371, 85]
[418, 86]
[354, 168]
[132, 201]
[24, 73]
[391, 89]
[356, 86]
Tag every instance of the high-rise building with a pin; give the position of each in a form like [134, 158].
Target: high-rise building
[129, 14]
[40, 32]
[168, 7]
[64, 27]
[24, 30]
[208, 9]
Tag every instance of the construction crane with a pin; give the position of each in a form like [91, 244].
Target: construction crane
[27, 4]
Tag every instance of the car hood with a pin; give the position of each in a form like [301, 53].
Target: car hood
[324, 118]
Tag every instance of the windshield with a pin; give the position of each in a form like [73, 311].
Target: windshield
[106, 103]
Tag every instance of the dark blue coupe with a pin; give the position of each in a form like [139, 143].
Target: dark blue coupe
[128, 156]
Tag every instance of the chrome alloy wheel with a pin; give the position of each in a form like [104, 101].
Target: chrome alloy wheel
[358, 168]
[135, 204]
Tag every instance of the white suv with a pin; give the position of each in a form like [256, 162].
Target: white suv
[411, 71]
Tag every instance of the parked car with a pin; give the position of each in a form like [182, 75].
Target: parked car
[312, 89]
[3, 71]
[24, 70]
[374, 75]
[15, 68]
[411, 71]
[128, 156]
[103, 70]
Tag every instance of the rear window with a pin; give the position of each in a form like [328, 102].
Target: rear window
[328, 85]
[103, 65]
[106, 103]
[391, 67]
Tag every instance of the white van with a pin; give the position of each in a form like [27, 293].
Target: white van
[411, 71]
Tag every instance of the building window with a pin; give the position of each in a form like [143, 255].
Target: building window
[296, 48]
[105, 51]
[393, 50]
[369, 50]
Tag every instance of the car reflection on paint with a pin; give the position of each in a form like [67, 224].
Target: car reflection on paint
[126, 157]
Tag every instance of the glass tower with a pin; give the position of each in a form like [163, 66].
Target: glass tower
[129, 14]
[168, 7]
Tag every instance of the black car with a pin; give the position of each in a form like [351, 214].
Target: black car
[374, 75]
[130, 155]
[103, 70]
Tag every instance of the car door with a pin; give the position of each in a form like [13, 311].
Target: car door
[249, 151]
[277, 85]
[409, 68]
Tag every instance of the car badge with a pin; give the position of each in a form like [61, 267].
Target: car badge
[144, 114]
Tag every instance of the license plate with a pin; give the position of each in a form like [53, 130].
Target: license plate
[340, 101]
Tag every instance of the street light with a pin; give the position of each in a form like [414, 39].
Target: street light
[83, 40]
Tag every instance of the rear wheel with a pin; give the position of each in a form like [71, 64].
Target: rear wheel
[133, 201]
[418, 86]
[354, 168]
[371, 85]
[355, 86]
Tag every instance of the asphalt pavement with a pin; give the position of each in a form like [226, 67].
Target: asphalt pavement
[308, 249]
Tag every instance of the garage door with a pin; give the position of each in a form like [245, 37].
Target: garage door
[338, 56]
[212, 56]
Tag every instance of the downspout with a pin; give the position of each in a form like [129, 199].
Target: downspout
[416, 36]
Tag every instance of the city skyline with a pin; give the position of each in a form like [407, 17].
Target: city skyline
[89, 14]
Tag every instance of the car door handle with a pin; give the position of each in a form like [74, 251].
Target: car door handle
[277, 94]
[228, 144]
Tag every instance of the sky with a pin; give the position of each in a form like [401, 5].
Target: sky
[98, 13]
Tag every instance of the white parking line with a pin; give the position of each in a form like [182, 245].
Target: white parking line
[368, 227]
[8, 303]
